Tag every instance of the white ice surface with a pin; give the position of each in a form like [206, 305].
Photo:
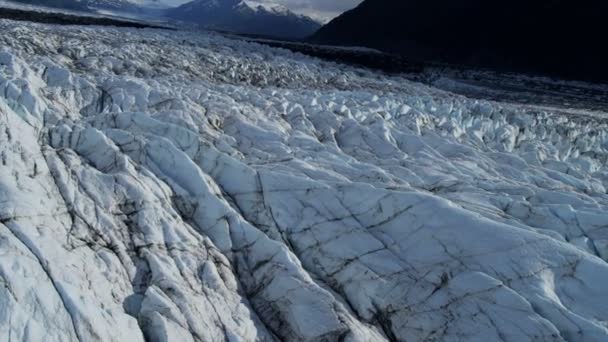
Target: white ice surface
[173, 186]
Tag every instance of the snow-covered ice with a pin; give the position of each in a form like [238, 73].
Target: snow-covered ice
[176, 186]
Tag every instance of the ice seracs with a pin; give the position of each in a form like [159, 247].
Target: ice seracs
[169, 186]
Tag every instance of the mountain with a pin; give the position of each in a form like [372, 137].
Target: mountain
[133, 6]
[137, 6]
[117, 5]
[65, 4]
[243, 17]
[558, 37]
[227, 15]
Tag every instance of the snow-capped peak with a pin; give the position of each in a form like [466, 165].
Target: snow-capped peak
[250, 17]
[276, 9]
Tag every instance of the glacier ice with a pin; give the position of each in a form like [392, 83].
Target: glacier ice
[178, 186]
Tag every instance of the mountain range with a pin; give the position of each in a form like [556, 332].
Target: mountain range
[65, 4]
[557, 37]
[227, 15]
[244, 17]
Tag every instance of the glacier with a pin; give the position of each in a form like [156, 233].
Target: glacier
[179, 186]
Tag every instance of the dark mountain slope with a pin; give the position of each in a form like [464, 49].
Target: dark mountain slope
[560, 37]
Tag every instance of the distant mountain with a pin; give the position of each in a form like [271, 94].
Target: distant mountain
[228, 15]
[243, 17]
[556, 37]
[131, 5]
[116, 5]
[65, 4]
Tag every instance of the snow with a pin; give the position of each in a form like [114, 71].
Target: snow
[277, 9]
[175, 186]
